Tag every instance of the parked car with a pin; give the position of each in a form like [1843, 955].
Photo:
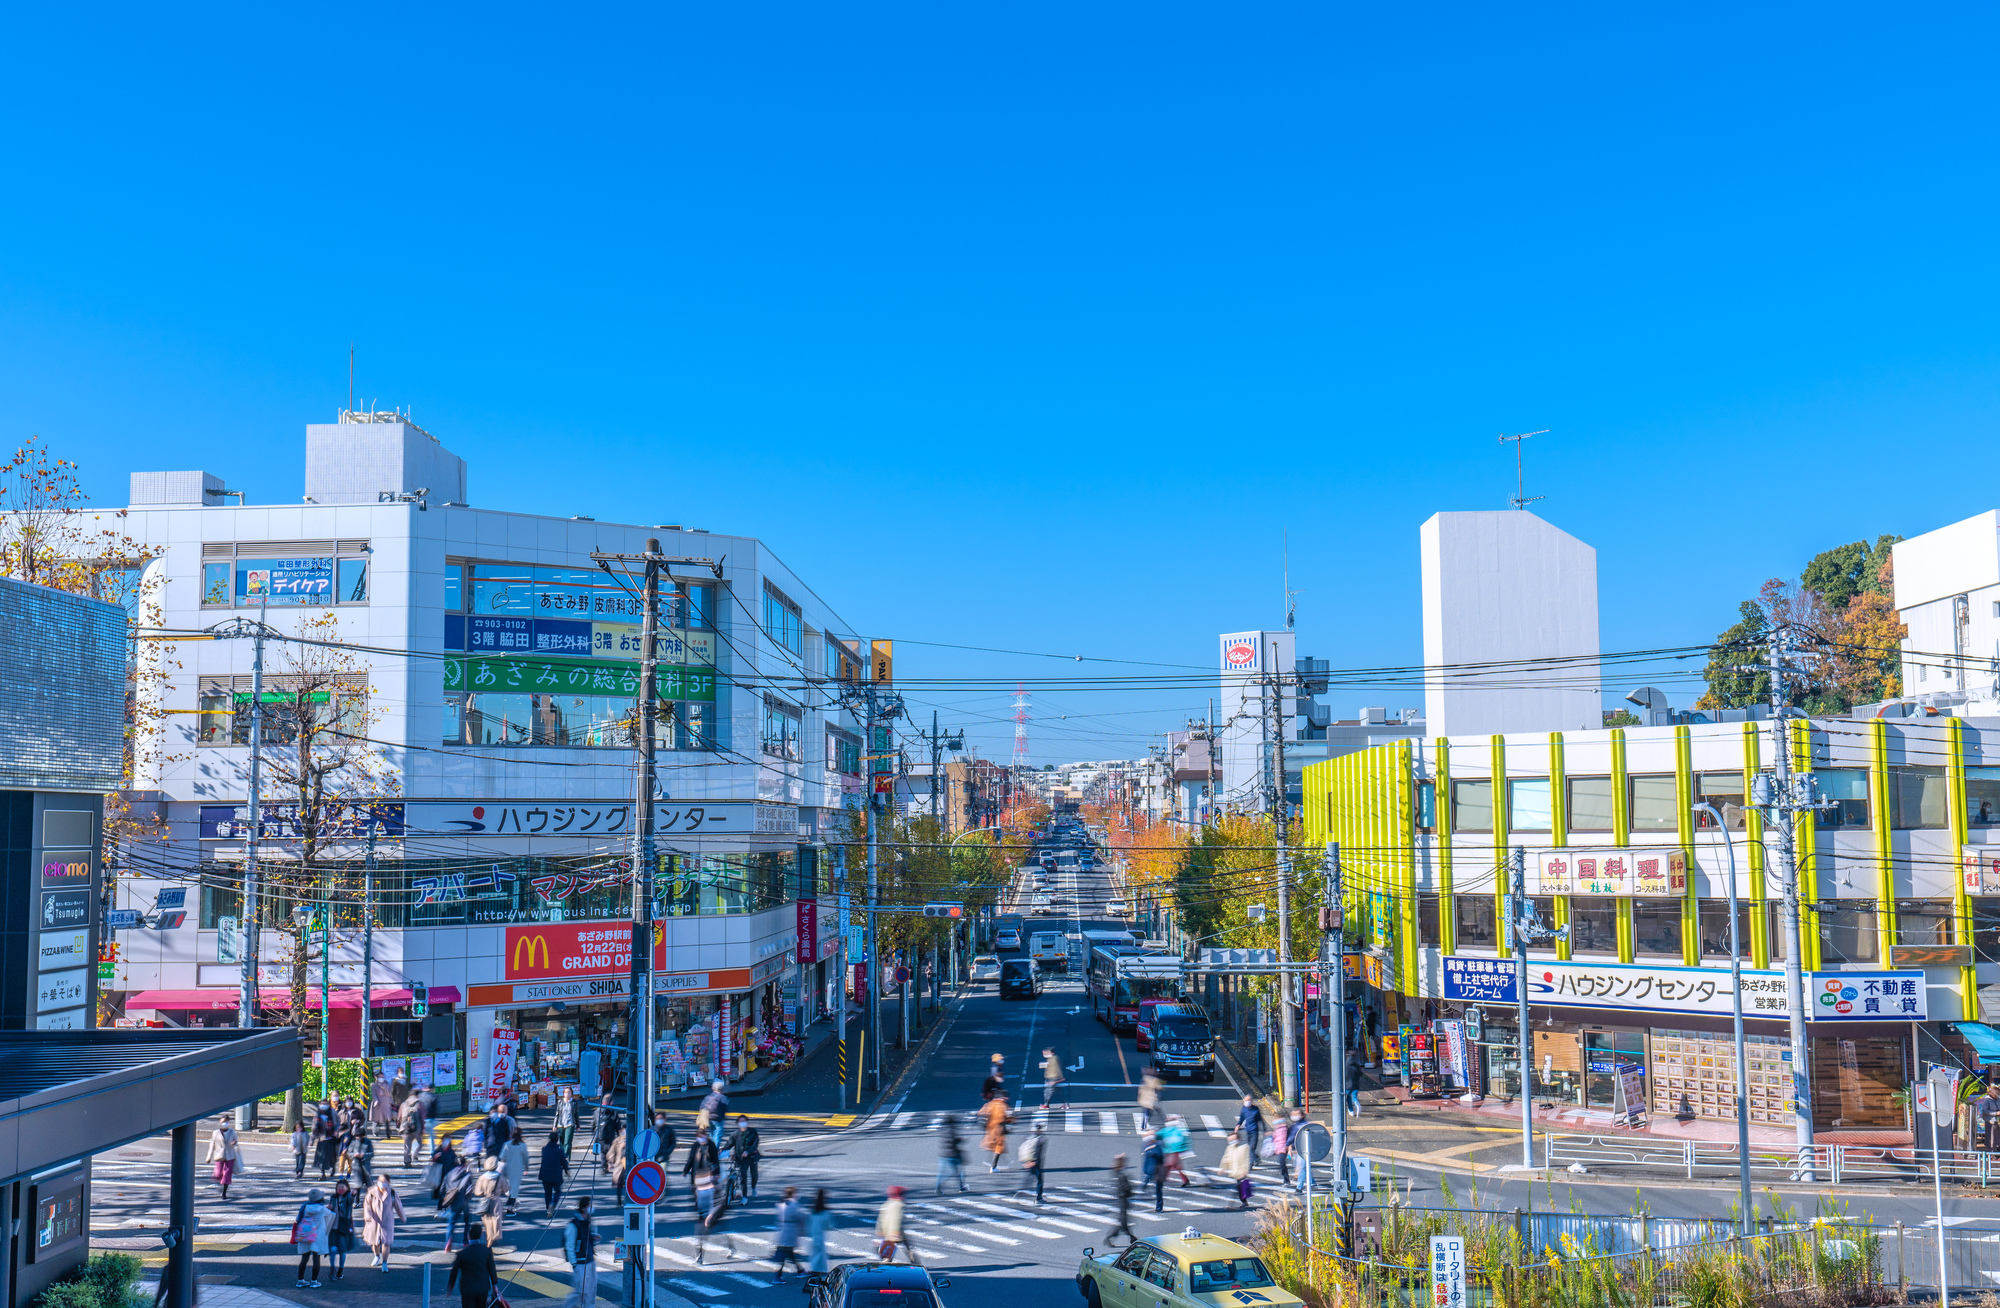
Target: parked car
[1020, 979]
[874, 1285]
[985, 967]
[1190, 1268]
[1007, 938]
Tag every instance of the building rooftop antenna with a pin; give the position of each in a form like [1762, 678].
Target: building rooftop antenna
[1291, 596]
[1521, 498]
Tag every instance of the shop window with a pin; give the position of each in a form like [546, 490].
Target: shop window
[1426, 806]
[1917, 799]
[1654, 803]
[1713, 916]
[1656, 927]
[251, 574]
[1472, 806]
[1474, 914]
[1982, 796]
[1848, 935]
[1725, 791]
[1925, 922]
[1858, 1082]
[1986, 929]
[1528, 804]
[1589, 806]
[1848, 789]
[1593, 926]
[1427, 920]
[1544, 909]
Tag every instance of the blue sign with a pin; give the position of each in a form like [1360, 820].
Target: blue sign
[555, 636]
[122, 919]
[171, 897]
[646, 1182]
[490, 634]
[1479, 980]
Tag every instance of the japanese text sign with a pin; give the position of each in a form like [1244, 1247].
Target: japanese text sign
[1447, 1271]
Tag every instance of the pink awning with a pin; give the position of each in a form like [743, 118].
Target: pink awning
[215, 998]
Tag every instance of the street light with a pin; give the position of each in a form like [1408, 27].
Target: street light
[1736, 1010]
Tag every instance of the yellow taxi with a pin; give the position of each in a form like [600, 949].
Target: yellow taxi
[1189, 1270]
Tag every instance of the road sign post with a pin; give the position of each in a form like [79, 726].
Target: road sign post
[644, 1185]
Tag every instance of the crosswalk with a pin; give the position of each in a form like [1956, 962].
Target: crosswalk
[1072, 1121]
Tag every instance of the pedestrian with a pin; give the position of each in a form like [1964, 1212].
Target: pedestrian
[309, 1232]
[1250, 1121]
[514, 1164]
[1052, 1077]
[301, 1146]
[499, 1130]
[703, 1162]
[889, 1229]
[711, 1224]
[381, 1102]
[785, 1236]
[428, 1097]
[400, 1090]
[361, 1156]
[1293, 1141]
[1174, 1143]
[615, 1159]
[455, 1200]
[1354, 1083]
[666, 1140]
[554, 1169]
[745, 1149]
[1149, 1094]
[1236, 1166]
[1033, 1156]
[996, 1079]
[381, 1211]
[565, 1129]
[410, 1121]
[818, 1222]
[1281, 1139]
[951, 1153]
[225, 1153]
[994, 1113]
[716, 1104]
[474, 1273]
[490, 1190]
[579, 1250]
[1121, 1194]
[442, 1163]
[1153, 1161]
[326, 1142]
[340, 1242]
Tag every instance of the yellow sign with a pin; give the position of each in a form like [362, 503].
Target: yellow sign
[618, 640]
[884, 661]
[531, 945]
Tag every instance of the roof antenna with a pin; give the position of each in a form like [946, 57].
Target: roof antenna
[350, 376]
[1521, 498]
[1291, 596]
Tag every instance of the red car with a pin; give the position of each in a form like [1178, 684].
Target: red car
[1147, 1007]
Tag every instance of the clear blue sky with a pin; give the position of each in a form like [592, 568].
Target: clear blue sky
[1033, 326]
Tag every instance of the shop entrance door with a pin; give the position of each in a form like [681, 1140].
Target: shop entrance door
[1603, 1051]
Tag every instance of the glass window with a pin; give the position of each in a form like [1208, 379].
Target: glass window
[1848, 935]
[454, 588]
[1528, 804]
[1986, 929]
[215, 585]
[579, 594]
[1656, 926]
[1774, 930]
[1427, 806]
[1982, 796]
[781, 622]
[351, 585]
[1713, 915]
[484, 718]
[307, 580]
[1925, 922]
[1161, 1271]
[1475, 920]
[1427, 920]
[840, 664]
[1589, 806]
[1593, 926]
[1472, 806]
[1725, 791]
[1544, 909]
[1133, 1260]
[1655, 803]
[215, 722]
[1916, 798]
[781, 730]
[1848, 788]
[1229, 1274]
[700, 602]
[843, 755]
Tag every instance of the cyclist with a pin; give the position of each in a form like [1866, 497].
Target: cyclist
[1052, 1078]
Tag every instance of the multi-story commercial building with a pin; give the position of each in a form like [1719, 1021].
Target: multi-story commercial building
[479, 665]
[1897, 938]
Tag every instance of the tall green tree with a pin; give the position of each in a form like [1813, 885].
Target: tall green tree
[1732, 684]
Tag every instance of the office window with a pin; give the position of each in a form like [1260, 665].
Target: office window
[215, 585]
[782, 622]
[1774, 930]
[1982, 796]
[316, 707]
[1427, 920]
[1426, 805]
[1472, 806]
[1656, 926]
[283, 574]
[1925, 922]
[1593, 926]
[1725, 791]
[1916, 799]
[1544, 909]
[1474, 914]
[1528, 804]
[1848, 788]
[454, 588]
[1589, 807]
[351, 581]
[781, 730]
[1848, 935]
[1713, 915]
[1654, 803]
[844, 754]
[842, 663]
[1986, 929]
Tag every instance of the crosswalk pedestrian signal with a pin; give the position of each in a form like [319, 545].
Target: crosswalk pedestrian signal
[420, 999]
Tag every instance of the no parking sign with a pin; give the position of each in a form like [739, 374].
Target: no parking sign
[645, 1183]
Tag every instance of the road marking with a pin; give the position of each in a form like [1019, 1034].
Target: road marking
[1073, 1123]
[902, 1119]
[750, 1281]
[1138, 1124]
[984, 1235]
[1011, 1226]
[1107, 1123]
[875, 1121]
[841, 1119]
[540, 1284]
[1214, 1125]
[933, 1237]
[698, 1287]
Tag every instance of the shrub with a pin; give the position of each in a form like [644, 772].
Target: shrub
[108, 1280]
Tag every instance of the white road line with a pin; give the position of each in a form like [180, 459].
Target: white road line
[1034, 1214]
[1214, 1125]
[902, 1120]
[1138, 1124]
[932, 1237]
[984, 1235]
[1073, 1123]
[1010, 1226]
[674, 1254]
[750, 1281]
[1107, 1123]
[697, 1287]
[874, 1121]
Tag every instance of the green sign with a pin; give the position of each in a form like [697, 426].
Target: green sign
[285, 697]
[107, 971]
[610, 677]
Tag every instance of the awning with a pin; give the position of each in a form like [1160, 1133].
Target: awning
[1985, 1041]
[218, 999]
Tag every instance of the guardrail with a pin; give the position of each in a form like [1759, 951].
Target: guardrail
[1831, 1163]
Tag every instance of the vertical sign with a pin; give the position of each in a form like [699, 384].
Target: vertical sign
[808, 925]
[883, 661]
[506, 1046]
[226, 948]
[1447, 1271]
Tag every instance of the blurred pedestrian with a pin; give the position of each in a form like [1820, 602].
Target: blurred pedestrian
[381, 1211]
[1236, 1166]
[554, 1169]
[1149, 1094]
[224, 1153]
[579, 1250]
[1033, 1158]
[951, 1153]
[889, 1229]
[1154, 1160]
[994, 1113]
[1121, 1194]
[818, 1223]
[785, 1236]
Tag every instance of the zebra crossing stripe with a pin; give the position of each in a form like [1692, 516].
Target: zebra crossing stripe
[1214, 1125]
[902, 1119]
[750, 1281]
[984, 1235]
[1107, 1123]
[1138, 1124]
[698, 1287]
[1073, 1123]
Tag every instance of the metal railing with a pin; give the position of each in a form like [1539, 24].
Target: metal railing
[1833, 1164]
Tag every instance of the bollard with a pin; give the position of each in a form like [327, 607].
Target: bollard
[426, 1293]
[1899, 1255]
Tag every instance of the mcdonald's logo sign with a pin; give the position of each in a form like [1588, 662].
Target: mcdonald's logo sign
[529, 949]
[568, 949]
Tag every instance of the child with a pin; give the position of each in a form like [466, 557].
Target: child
[301, 1139]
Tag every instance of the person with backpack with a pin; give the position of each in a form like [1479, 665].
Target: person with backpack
[474, 1272]
[455, 1199]
[1154, 1162]
[309, 1234]
[579, 1249]
[410, 1121]
[1034, 1159]
[1121, 1194]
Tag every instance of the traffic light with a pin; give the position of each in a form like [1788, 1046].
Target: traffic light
[420, 999]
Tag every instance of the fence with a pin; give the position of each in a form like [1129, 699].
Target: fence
[1832, 1164]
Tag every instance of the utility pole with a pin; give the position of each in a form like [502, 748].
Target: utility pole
[1788, 797]
[1287, 1016]
[368, 957]
[249, 934]
[1518, 904]
[1332, 924]
[873, 1033]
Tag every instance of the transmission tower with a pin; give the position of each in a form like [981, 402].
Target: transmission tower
[1021, 698]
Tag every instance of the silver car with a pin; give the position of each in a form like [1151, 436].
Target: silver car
[986, 967]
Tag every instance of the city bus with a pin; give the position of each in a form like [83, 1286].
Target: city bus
[1121, 976]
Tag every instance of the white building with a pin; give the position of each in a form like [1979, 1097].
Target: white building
[488, 671]
[1948, 594]
[1243, 721]
[1510, 626]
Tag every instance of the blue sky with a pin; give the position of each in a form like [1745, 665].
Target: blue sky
[1032, 326]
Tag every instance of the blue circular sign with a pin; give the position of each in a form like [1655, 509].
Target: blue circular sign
[646, 1182]
[1850, 992]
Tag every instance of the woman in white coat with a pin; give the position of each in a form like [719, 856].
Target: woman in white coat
[381, 1211]
[225, 1153]
[514, 1162]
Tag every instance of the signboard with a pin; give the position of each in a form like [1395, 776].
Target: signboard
[1377, 973]
[595, 819]
[1238, 958]
[882, 661]
[572, 950]
[618, 678]
[1555, 873]
[1659, 872]
[1867, 997]
[58, 1217]
[1455, 1061]
[506, 1048]
[808, 927]
[281, 821]
[60, 949]
[297, 581]
[1243, 651]
[227, 940]
[1930, 955]
[645, 1183]
[64, 989]
[65, 908]
[1835, 996]
[1982, 869]
[67, 867]
[1448, 1271]
[1629, 1093]
[444, 1067]
[548, 992]
[122, 919]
